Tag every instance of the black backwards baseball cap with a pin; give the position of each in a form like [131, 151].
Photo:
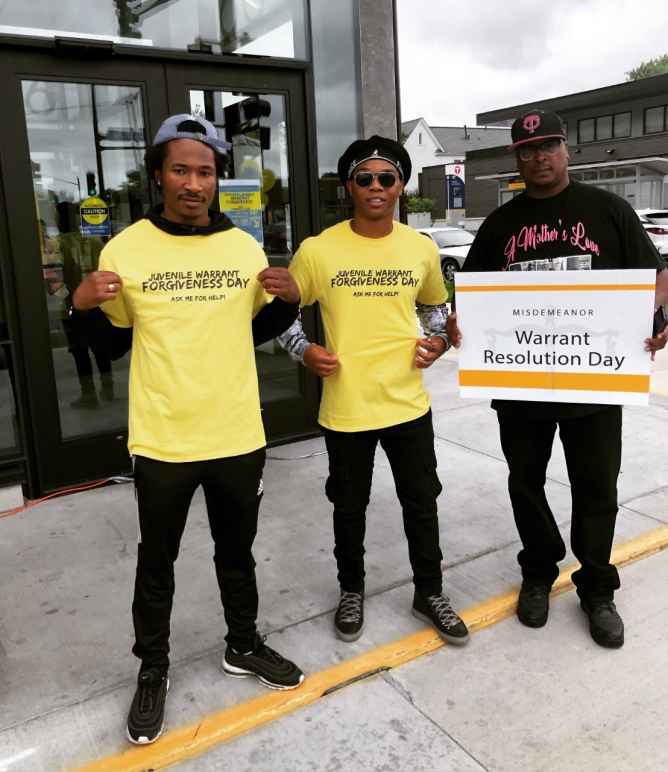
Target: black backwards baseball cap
[374, 149]
[181, 127]
[536, 126]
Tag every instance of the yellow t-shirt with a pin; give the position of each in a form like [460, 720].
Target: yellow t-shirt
[367, 290]
[190, 301]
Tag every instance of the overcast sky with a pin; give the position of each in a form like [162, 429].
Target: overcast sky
[461, 57]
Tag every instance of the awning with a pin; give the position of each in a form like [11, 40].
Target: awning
[656, 164]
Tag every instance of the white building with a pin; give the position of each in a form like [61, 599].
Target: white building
[440, 145]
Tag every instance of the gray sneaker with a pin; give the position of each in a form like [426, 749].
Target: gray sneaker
[349, 617]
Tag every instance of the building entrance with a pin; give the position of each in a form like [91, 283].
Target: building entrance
[81, 120]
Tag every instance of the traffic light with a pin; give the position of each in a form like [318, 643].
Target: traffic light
[91, 187]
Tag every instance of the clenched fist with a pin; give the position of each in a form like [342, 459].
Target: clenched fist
[318, 359]
[96, 288]
[279, 282]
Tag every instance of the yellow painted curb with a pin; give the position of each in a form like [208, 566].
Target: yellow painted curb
[193, 740]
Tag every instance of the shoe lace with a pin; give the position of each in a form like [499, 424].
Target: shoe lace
[350, 607]
[148, 686]
[443, 610]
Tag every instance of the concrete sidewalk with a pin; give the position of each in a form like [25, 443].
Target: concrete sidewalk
[514, 698]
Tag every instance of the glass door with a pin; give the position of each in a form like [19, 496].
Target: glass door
[78, 179]
[264, 192]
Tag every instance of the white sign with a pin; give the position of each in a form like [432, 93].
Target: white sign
[456, 168]
[556, 336]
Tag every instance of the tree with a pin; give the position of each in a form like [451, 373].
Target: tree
[415, 204]
[658, 66]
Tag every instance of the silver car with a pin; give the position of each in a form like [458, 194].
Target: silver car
[655, 223]
[453, 245]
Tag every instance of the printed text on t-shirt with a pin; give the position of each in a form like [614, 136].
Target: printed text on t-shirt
[531, 237]
[379, 277]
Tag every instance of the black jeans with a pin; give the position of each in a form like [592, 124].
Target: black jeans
[410, 451]
[164, 492]
[593, 449]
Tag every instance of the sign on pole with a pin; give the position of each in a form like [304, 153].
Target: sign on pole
[556, 336]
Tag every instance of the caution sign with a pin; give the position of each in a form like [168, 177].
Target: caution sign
[95, 219]
[241, 201]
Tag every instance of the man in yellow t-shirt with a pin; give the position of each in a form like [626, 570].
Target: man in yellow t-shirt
[189, 283]
[368, 274]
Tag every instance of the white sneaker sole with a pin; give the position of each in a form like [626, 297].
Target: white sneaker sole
[144, 740]
[238, 672]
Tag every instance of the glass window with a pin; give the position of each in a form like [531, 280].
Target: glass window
[654, 119]
[262, 27]
[86, 147]
[9, 431]
[604, 127]
[586, 130]
[334, 31]
[622, 125]
[256, 196]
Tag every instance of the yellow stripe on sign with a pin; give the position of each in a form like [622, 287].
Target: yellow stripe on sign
[197, 738]
[519, 379]
[556, 287]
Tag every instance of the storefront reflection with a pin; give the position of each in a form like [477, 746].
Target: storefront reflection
[256, 195]
[86, 147]
[261, 27]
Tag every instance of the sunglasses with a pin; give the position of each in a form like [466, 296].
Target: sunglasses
[364, 179]
[529, 152]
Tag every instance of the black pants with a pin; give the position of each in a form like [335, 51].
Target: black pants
[593, 448]
[164, 492]
[410, 451]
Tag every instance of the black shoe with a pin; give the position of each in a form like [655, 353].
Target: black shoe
[533, 604]
[349, 617]
[267, 665]
[605, 624]
[146, 719]
[437, 611]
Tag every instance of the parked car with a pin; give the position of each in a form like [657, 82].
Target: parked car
[453, 245]
[655, 223]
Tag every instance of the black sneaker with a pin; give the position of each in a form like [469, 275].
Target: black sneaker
[605, 624]
[146, 719]
[349, 617]
[267, 665]
[437, 611]
[533, 604]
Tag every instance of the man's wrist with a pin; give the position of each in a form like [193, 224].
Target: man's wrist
[444, 337]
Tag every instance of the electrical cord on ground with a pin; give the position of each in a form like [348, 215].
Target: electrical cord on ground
[297, 458]
[30, 503]
[121, 479]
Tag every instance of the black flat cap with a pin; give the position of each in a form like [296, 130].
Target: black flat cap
[375, 148]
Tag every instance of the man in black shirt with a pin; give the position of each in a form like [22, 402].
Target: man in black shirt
[560, 218]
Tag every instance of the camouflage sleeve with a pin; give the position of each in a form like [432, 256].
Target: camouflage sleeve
[433, 319]
[294, 341]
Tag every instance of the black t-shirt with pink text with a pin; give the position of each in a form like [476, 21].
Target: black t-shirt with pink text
[582, 220]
